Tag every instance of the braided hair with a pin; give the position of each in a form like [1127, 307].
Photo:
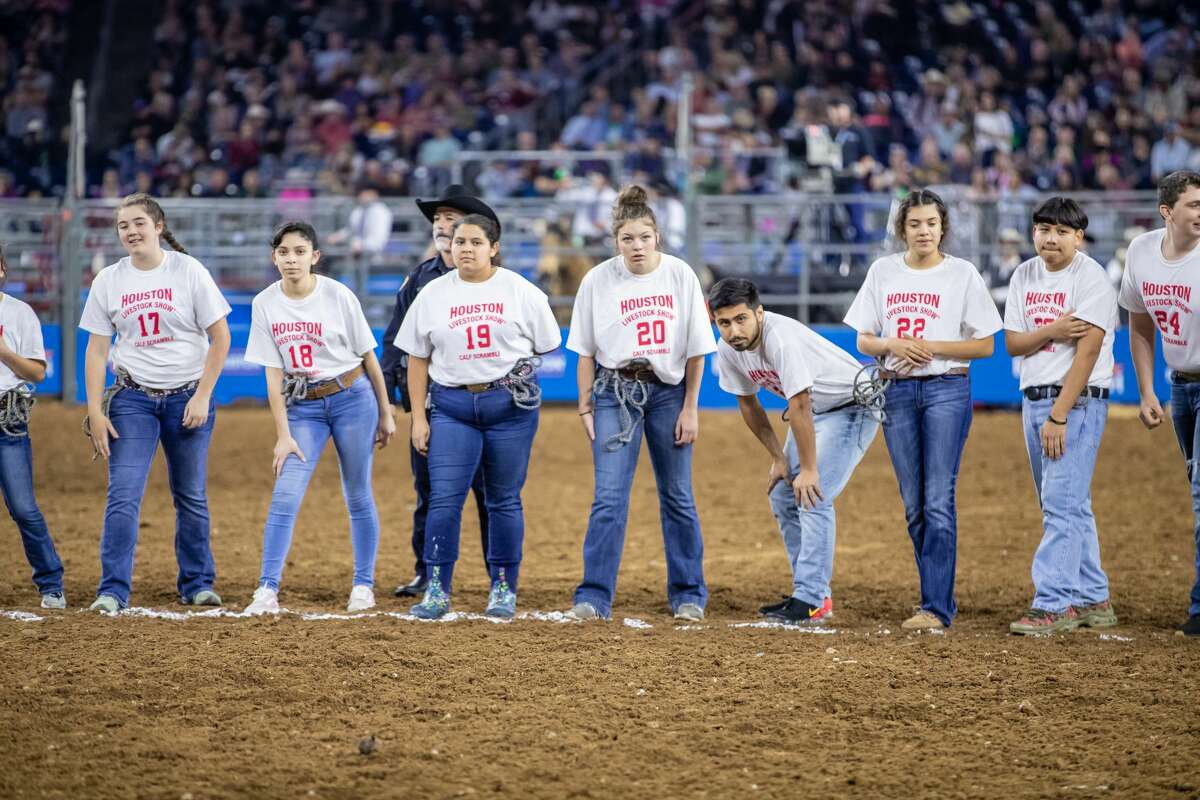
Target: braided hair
[155, 212]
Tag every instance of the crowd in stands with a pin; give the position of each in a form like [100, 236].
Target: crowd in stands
[248, 97]
[32, 155]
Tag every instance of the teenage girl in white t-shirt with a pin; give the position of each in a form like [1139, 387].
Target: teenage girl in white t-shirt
[23, 363]
[473, 337]
[641, 328]
[164, 308]
[323, 382]
[925, 315]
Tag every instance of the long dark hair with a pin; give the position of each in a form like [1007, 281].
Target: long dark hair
[155, 212]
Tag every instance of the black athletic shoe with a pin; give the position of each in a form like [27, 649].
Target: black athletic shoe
[1191, 627]
[798, 612]
[413, 588]
[773, 607]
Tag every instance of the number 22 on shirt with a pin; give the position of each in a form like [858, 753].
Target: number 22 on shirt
[911, 326]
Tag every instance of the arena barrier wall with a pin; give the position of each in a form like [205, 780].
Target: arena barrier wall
[993, 380]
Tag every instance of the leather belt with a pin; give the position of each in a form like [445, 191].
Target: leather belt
[478, 388]
[146, 390]
[900, 376]
[1185, 377]
[643, 375]
[338, 384]
[1050, 392]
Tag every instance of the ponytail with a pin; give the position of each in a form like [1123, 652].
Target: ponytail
[155, 212]
[632, 204]
[170, 239]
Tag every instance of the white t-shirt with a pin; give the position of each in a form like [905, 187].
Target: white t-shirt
[1038, 297]
[1164, 290]
[476, 332]
[22, 333]
[160, 316]
[790, 358]
[321, 336]
[948, 303]
[660, 317]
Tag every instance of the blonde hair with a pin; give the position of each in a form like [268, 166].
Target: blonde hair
[632, 204]
[155, 212]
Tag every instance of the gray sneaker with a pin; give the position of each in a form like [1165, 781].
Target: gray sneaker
[583, 612]
[54, 600]
[1096, 615]
[107, 604]
[204, 597]
[689, 612]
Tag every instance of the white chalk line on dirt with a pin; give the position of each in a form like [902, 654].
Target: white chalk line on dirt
[555, 617]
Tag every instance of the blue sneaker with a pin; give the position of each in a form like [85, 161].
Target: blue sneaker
[502, 601]
[435, 605]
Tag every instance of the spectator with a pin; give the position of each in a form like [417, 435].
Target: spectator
[1170, 153]
[369, 227]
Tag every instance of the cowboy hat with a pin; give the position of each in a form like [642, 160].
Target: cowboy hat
[456, 197]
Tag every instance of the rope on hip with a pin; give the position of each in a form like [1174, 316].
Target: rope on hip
[521, 383]
[15, 405]
[295, 387]
[870, 393]
[123, 381]
[628, 392]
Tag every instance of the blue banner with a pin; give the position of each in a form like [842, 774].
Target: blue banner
[994, 381]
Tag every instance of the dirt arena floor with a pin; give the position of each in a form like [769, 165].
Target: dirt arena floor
[219, 706]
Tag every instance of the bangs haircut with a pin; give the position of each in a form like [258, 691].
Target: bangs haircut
[1061, 211]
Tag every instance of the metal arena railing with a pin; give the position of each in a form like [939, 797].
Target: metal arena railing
[808, 252]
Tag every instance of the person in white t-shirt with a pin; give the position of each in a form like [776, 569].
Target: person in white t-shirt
[474, 338]
[323, 382]
[1059, 320]
[23, 363]
[642, 331]
[1161, 289]
[926, 315]
[165, 309]
[832, 417]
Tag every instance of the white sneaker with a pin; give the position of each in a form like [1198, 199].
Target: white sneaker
[582, 612]
[266, 601]
[362, 598]
[54, 600]
[689, 612]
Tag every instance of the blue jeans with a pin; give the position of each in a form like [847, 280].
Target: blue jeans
[467, 430]
[610, 511]
[925, 430]
[420, 471]
[141, 423]
[1185, 411]
[351, 417]
[843, 437]
[16, 480]
[1066, 566]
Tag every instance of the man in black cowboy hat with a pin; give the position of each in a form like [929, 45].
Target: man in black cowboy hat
[443, 212]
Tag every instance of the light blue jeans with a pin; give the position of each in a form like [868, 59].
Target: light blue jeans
[351, 417]
[843, 437]
[1066, 566]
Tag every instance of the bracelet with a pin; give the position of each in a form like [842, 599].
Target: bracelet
[1055, 421]
[585, 413]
